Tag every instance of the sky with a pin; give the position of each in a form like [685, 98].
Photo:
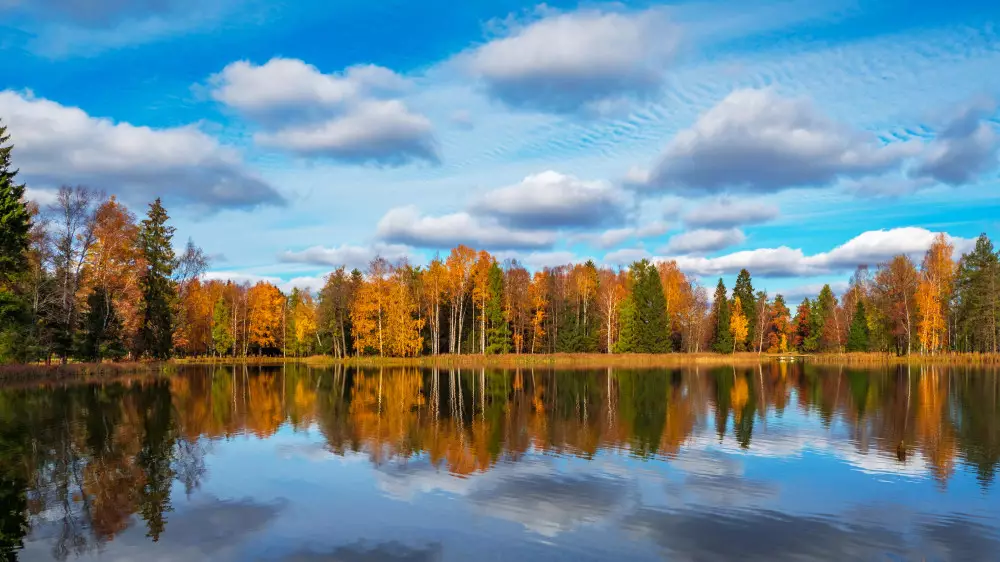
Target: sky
[795, 138]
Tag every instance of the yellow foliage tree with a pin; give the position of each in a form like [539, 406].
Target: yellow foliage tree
[937, 279]
[738, 322]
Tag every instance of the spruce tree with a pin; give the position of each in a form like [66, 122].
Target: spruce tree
[158, 294]
[15, 223]
[857, 336]
[498, 333]
[15, 220]
[744, 290]
[644, 321]
[722, 340]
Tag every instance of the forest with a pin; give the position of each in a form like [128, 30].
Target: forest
[84, 279]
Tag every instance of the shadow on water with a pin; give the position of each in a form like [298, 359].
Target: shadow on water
[776, 458]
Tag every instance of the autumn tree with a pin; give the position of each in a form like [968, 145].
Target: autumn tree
[459, 265]
[934, 294]
[738, 323]
[779, 326]
[611, 294]
[115, 263]
[435, 289]
[156, 333]
[744, 290]
[517, 291]
[539, 304]
[264, 313]
[802, 329]
[895, 288]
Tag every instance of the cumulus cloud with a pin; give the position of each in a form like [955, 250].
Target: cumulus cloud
[964, 149]
[868, 248]
[588, 60]
[57, 144]
[346, 255]
[405, 225]
[551, 199]
[704, 240]
[352, 116]
[727, 213]
[758, 141]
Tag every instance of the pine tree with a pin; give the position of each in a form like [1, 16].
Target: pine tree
[722, 340]
[857, 336]
[498, 332]
[644, 321]
[158, 294]
[744, 290]
[15, 220]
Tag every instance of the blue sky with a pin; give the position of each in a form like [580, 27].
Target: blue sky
[795, 138]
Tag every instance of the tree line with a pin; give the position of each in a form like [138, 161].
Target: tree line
[84, 279]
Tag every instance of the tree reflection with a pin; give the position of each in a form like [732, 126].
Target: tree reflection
[85, 462]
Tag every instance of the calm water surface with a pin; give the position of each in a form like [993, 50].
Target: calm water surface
[783, 462]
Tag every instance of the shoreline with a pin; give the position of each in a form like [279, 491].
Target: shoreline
[103, 371]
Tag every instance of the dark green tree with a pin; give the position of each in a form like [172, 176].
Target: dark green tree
[498, 331]
[102, 329]
[722, 338]
[158, 292]
[644, 322]
[978, 298]
[857, 335]
[744, 290]
[15, 224]
[824, 331]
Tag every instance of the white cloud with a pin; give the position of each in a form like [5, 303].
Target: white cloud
[405, 225]
[551, 199]
[726, 213]
[304, 283]
[757, 141]
[626, 256]
[868, 248]
[588, 60]
[964, 149]
[57, 144]
[351, 116]
[540, 260]
[704, 240]
[347, 255]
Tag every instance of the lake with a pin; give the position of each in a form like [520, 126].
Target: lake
[778, 462]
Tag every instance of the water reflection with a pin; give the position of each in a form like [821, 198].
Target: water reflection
[786, 461]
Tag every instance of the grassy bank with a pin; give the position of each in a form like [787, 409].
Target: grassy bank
[12, 375]
[103, 371]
